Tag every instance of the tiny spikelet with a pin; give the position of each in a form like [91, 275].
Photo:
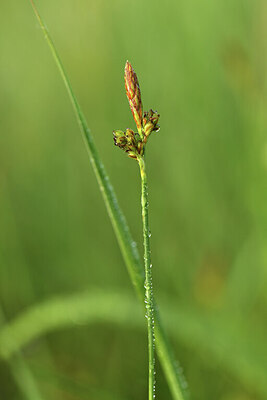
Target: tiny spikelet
[129, 142]
[134, 94]
[150, 122]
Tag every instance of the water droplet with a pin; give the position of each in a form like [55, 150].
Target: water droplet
[184, 384]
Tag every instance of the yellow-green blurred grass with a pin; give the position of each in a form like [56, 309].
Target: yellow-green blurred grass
[202, 64]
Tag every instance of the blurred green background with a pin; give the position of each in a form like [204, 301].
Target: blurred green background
[202, 65]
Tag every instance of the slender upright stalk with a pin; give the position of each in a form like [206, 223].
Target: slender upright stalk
[149, 299]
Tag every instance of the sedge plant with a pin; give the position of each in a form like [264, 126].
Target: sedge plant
[134, 145]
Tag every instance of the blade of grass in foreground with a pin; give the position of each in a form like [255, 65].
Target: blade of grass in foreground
[127, 245]
[206, 335]
[21, 372]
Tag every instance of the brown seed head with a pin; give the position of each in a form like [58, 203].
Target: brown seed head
[134, 94]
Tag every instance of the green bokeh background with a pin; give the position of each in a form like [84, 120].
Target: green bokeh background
[202, 65]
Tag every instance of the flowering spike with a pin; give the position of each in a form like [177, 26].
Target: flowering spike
[134, 95]
[134, 143]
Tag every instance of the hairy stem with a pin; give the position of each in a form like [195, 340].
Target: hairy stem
[127, 245]
[149, 300]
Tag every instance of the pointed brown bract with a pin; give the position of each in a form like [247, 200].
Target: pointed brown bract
[134, 94]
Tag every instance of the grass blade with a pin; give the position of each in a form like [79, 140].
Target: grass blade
[244, 359]
[21, 372]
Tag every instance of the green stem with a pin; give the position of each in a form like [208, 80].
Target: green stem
[149, 300]
[126, 243]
